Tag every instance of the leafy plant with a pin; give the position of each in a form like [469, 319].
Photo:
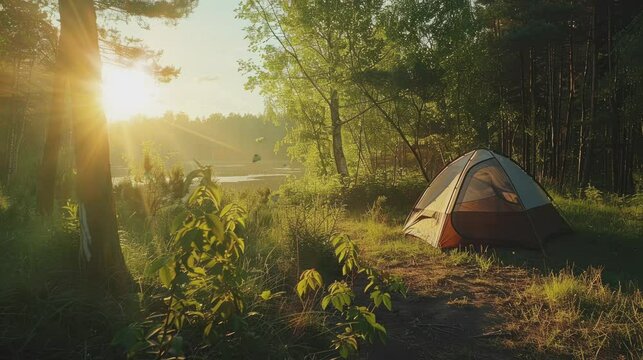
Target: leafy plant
[70, 217]
[357, 323]
[593, 194]
[202, 278]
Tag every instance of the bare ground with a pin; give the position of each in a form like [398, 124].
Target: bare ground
[454, 312]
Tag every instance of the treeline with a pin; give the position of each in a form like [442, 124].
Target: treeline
[374, 85]
[27, 47]
[215, 138]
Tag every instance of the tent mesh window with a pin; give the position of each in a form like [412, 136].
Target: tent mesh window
[487, 188]
[488, 208]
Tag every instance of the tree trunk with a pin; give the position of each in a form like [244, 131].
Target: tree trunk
[523, 111]
[101, 252]
[583, 116]
[338, 147]
[49, 164]
[568, 115]
[550, 163]
[587, 157]
[532, 113]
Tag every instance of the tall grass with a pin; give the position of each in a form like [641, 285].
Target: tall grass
[579, 315]
[47, 308]
[603, 217]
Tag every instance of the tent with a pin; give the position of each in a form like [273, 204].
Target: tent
[483, 198]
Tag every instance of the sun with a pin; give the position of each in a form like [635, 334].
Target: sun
[127, 92]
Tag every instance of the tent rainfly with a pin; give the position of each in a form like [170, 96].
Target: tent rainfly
[483, 198]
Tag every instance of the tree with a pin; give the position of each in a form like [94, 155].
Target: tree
[78, 76]
[306, 41]
[27, 43]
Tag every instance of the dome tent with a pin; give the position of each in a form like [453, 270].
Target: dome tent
[483, 198]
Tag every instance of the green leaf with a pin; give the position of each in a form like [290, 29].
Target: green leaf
[225, 210]
[266, 295]
[301, 288]
[207, 329]
[318, 278]
[192, 236]
[157, 264]
[325, 301]
[128, 336]
[386, 299]
[167, 274]
[377, 298]
[217, 226]
[176, 346]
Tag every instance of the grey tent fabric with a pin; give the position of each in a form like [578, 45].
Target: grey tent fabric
[429, 212]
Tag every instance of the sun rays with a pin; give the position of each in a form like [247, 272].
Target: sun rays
[127, 92]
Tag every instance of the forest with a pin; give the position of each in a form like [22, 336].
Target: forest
[134, 226]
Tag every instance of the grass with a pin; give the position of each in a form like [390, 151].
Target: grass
[47, 310]
[591, 313]
[386, 245]
[581, 316]
[603, 220]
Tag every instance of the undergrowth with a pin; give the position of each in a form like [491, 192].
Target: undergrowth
[579, 315]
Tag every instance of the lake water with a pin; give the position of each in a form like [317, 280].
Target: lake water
[262, 174]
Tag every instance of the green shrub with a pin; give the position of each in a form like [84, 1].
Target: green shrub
[355, 323]
[603, 218]
[400, 195]
[311, 188]
[148, 190]
[203, 279]
[308, 228]
[593, 194]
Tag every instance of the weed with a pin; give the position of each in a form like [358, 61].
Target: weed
[484, 260]
[308, 229]
[377, 213]
[460, 257]
[593, 194]
[358, 323]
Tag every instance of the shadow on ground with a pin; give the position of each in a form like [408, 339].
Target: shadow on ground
[619, 257]
[452, 312]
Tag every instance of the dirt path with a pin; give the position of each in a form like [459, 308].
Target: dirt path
[452, 312]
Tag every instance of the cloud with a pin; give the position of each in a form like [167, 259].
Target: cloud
[208, 78]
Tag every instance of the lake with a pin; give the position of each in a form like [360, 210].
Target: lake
[261, 174]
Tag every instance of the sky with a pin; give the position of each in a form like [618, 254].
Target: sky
[206, 46]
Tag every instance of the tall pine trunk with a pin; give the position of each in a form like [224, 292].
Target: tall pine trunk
[583, 115]
[101, 251]
[568, 115]
[588, 148]
[49, 165]
[532, 113]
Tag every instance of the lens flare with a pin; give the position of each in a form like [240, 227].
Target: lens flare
[127, 92]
